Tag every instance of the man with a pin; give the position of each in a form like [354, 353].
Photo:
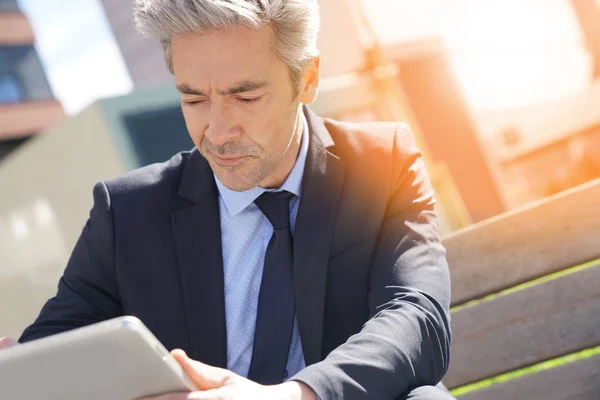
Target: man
[293, 257]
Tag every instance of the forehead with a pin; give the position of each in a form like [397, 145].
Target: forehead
[238, 53]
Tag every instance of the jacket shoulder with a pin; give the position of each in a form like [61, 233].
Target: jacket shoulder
[371, 140]
[155, 178]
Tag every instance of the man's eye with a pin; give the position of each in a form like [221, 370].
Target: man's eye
[193, 103]
[249, 100]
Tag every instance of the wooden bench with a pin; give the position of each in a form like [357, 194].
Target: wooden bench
[542, 263]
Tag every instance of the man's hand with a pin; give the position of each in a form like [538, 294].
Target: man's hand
[221, 384]
[5, 343]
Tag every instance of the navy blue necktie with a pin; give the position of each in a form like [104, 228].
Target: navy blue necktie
[276, 303]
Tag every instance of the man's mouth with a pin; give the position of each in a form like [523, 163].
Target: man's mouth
[229, 160]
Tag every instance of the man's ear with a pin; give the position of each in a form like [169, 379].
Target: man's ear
[309, 82]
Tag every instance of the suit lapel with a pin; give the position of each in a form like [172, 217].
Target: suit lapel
[197, 233]
[321, 186]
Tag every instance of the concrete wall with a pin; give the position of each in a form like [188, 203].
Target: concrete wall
[45, 198]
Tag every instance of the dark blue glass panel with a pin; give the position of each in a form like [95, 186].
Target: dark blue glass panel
[9, 5]
[22, 77]
[157, 135]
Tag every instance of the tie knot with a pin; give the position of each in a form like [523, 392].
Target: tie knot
[276, 207]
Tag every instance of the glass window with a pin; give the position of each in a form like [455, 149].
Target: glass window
[9, 5]
[156, 135]
[22, 77]
[10, 89]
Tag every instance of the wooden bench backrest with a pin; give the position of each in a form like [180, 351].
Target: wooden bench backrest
[536, 322]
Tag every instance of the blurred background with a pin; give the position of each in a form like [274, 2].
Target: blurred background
[503, 96]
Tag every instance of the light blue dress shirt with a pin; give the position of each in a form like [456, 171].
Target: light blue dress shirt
[245, 234]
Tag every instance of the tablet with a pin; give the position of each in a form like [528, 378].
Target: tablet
[118, 359]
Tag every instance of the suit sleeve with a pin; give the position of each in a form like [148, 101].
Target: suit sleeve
[406, 341]
[87, 291]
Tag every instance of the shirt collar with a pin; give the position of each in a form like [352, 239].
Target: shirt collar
[236, 202]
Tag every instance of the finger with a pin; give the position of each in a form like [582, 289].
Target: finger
[204, 376]
[5, 343]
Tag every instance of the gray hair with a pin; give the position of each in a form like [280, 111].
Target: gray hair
[295, 23]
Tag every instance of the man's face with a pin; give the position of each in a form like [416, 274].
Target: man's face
[239, 103]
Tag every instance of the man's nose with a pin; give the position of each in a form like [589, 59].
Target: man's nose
[220, 128]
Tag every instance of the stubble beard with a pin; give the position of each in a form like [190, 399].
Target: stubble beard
[267, 164]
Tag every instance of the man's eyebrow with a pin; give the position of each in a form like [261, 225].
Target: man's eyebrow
[244, 86]
[241, 87]
[186, 89]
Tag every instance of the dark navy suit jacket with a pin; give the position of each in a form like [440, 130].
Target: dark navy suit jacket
[371, 278]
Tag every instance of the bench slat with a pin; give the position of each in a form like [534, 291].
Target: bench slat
[548, 236]
[545, 321]
[577, 380]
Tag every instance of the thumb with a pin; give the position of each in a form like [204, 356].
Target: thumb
[5, 343]
[204, 376]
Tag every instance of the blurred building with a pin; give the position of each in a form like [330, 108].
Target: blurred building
[545, 148]
[588, 15]
[446, 123]
[27, 105]
[143, 57]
